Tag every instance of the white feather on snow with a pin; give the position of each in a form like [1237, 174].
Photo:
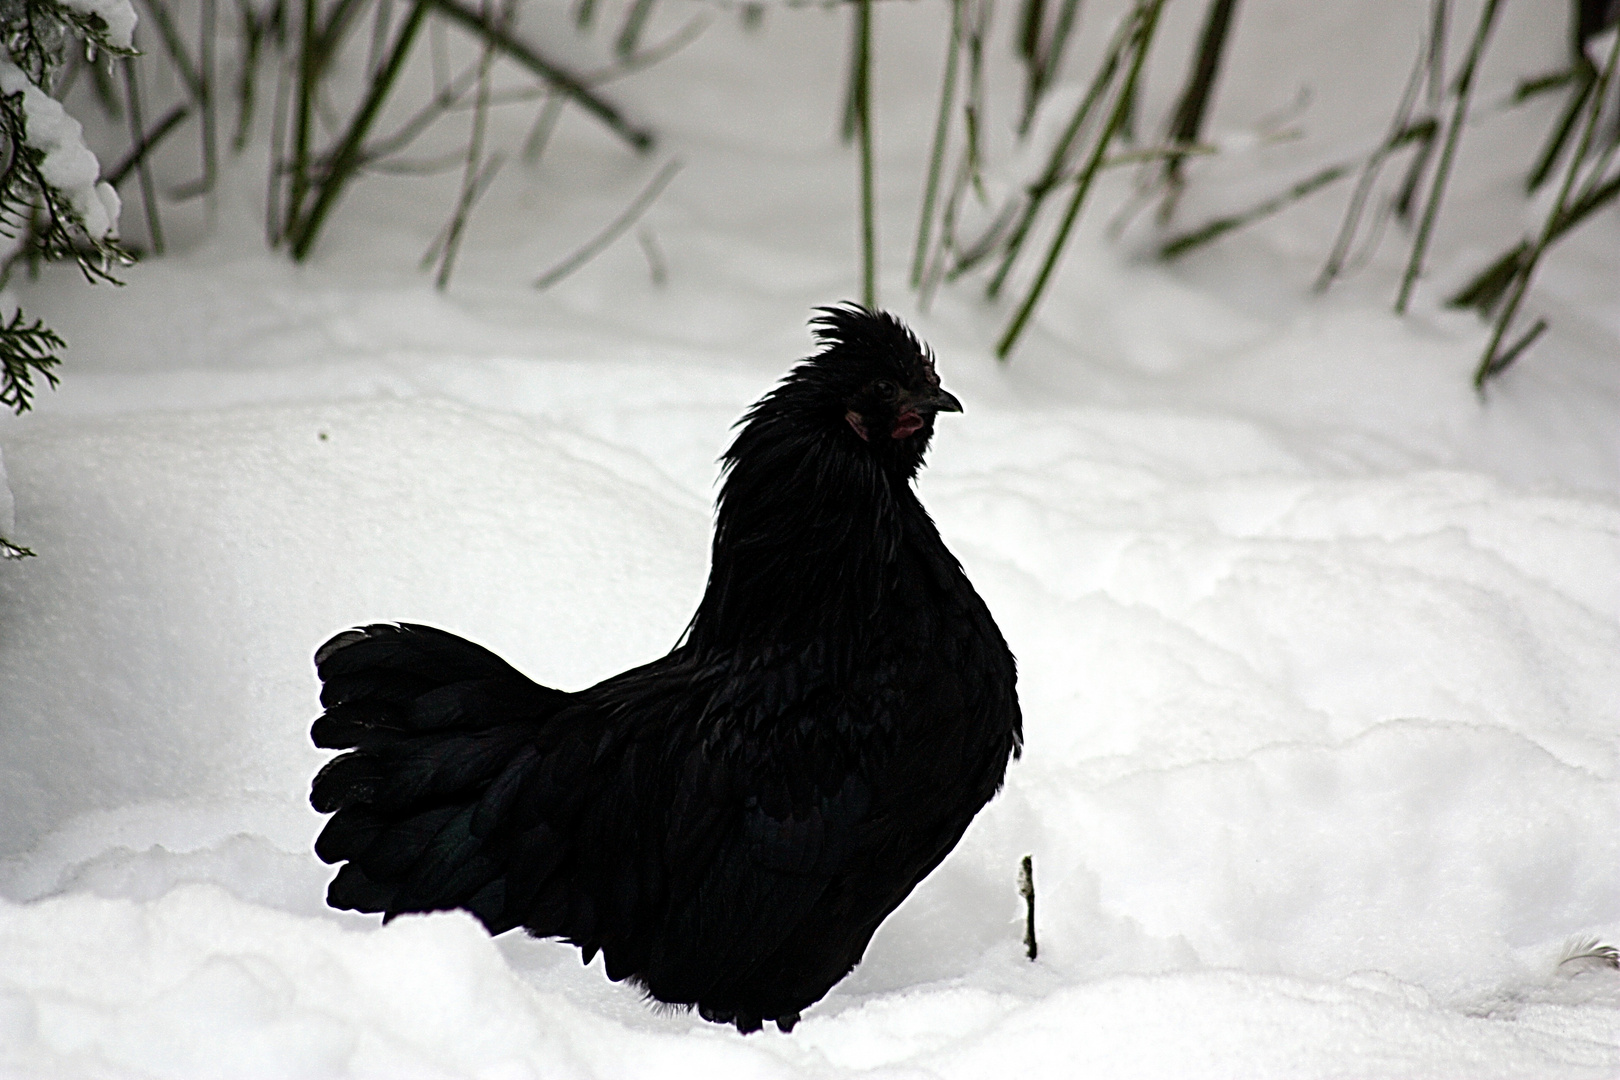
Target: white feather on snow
[8, 512]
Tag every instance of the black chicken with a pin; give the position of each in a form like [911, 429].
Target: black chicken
[727, 825]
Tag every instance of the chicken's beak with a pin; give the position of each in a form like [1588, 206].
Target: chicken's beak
[941, 400]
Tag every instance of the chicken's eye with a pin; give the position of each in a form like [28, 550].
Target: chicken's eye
[886, 389]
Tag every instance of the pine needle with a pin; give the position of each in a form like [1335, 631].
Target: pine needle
[936, 158]
[1464, 92]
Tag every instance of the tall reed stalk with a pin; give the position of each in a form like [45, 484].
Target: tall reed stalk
[1429, 68]
[860, 110]
[1147, 21]
[1496, 359]
[475, 176]
[346, 159]
[1060, 157]
[1187, 122]
[1442, 174]
[936, 158]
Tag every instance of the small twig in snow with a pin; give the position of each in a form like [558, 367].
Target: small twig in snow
[1026, 889]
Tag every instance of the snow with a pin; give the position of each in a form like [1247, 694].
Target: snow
[1317, 648]
[8, 507]
[68, 164]
[119, 16]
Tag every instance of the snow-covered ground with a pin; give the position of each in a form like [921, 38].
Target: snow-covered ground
[1320, 654]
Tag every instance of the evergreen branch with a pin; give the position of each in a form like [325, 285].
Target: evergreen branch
[30, 205]
[26, 351]
[90, 27]
[50, 202]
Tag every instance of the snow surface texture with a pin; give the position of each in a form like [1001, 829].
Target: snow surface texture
[1318, 652]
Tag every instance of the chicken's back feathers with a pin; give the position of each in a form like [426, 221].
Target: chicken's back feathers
[729, 824]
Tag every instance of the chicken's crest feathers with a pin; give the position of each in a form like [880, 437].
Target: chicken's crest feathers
[849, 330]
[871, 392]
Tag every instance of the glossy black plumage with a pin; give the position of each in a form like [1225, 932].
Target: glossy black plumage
[729, 824]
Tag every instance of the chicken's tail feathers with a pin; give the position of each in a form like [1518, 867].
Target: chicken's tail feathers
[431, 723]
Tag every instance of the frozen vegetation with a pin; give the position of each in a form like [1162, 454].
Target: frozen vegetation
[1319, 652]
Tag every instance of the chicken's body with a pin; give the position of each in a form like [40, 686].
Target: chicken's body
[729, 824]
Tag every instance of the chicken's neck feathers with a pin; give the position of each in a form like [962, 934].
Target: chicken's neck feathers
[808, 529]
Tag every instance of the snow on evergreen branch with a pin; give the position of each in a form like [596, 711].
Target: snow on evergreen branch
[52, 200]
[48, 155]
[106, 24]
